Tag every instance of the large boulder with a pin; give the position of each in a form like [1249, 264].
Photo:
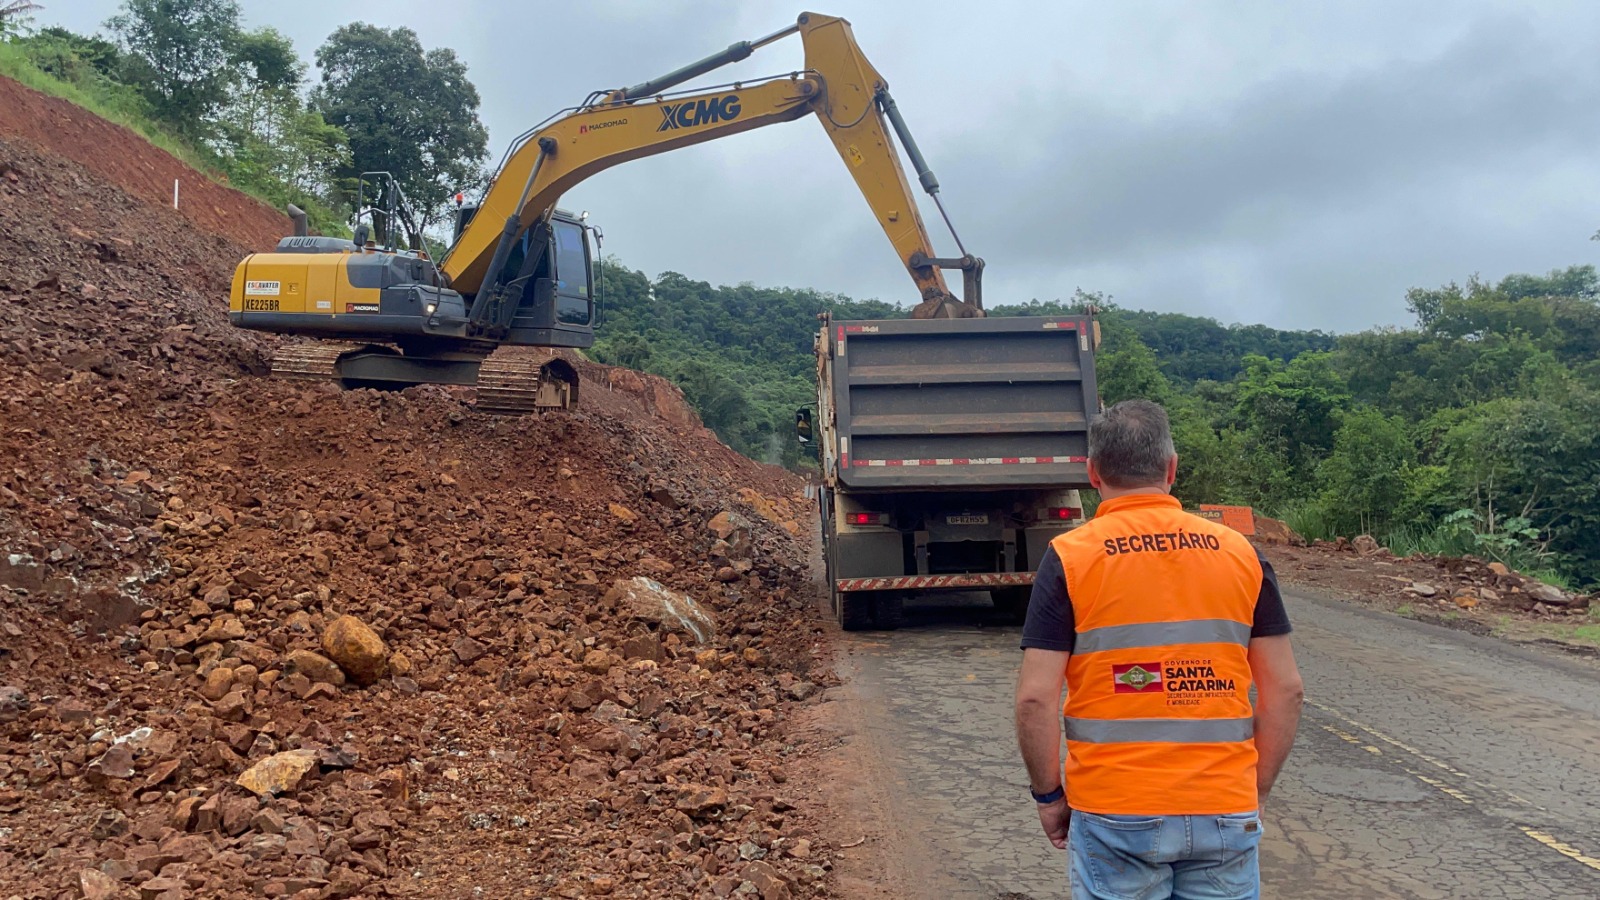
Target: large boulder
[651, 601]
[357, 649]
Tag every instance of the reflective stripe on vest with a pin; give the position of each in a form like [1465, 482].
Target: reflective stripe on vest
[1160, 731]
[1158, 634]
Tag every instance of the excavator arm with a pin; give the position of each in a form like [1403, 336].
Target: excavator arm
[838, 85]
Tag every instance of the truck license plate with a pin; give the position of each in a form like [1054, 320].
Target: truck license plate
[966, 520]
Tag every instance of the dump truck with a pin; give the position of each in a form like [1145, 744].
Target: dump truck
[952, 452]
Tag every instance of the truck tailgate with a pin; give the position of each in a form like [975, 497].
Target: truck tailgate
[961, 403]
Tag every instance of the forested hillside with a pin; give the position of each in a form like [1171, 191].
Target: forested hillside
[1472, 431]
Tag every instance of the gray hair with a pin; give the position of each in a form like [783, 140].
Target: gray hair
[1131, 444]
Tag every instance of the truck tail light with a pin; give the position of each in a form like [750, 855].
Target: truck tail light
[1063, 513]
[867, 518]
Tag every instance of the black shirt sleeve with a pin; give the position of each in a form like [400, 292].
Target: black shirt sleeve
[1049, 623]
[1271, 618]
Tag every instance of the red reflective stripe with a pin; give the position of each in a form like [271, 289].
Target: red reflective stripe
[905, 582]
[991, 461]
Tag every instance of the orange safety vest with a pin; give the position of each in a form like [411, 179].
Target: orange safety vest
[1158, 715]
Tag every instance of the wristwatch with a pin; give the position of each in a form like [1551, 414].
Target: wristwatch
[1051, 797]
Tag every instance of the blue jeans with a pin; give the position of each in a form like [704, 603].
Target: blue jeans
[1161, 857]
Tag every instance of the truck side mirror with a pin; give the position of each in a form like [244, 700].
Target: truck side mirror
[802, 425]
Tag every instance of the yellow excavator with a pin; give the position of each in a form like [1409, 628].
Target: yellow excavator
[519, 272]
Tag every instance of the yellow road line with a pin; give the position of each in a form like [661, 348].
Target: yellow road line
[1564, 849]
[1542, 837]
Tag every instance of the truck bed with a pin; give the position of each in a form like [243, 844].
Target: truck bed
[958, 403]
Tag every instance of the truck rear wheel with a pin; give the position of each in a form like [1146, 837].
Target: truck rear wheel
[888, 610]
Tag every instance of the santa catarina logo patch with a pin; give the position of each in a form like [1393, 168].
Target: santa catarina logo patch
[1137, 678]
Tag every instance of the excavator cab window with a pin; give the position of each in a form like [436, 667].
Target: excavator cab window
[574, 298]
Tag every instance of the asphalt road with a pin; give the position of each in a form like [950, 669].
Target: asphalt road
[1430, 764]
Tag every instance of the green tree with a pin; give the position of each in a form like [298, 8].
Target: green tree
[178, 56]
[269, 140]
[1363, 480]
[405, 111]
[1291, 410]
[15, 16]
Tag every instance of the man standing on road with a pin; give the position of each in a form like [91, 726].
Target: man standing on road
[1158, 622]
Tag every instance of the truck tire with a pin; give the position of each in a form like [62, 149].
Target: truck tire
[888, 610]
[855, 611]
[1011, 604]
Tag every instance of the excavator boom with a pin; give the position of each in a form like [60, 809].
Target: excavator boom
[838, 85]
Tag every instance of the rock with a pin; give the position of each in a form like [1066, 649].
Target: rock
[665, 496]
[97, 885]
[726, 524]
[597, 662]
[727, 574]
[801, 849]
[219, 682]
[468, 651]
[767, 881]
[357, 649]
[109, 824]
[236, 815]
[223, 629]
[1366, 545]
[268, 821]
[280, 773]
[643, 646]
[800, 690]
[315, 666]
[116, 763]
[1550, 595]
[73, 711]
[1421, 589]
[650, 601]
[159, 773]
[13, 703]
[701, 801]
[1275, 531]
[161, 888]
[183, 815]
[21, 571]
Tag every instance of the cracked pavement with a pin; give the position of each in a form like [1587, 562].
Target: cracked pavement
[1430, 763]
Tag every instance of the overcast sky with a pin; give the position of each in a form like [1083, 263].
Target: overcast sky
[1298, 164]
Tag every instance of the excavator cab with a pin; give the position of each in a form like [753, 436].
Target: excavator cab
[555, 307]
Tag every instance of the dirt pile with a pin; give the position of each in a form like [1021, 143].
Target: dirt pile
[261, 639]
[127, 161]
[1363, 567]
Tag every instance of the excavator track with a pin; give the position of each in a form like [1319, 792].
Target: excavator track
[309, 362]
[514, 387]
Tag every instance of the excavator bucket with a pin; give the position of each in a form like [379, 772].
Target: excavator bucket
[946, 307]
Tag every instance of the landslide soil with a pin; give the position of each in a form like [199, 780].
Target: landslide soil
[123, 159]
[174, 525]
